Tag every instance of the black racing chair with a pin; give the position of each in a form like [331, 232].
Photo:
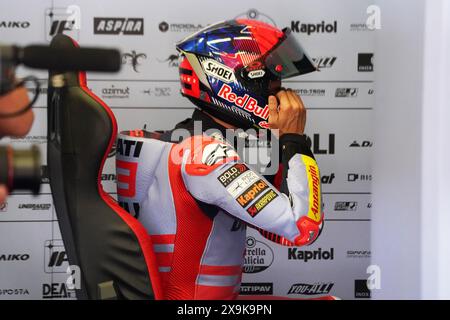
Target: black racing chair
[111, 248]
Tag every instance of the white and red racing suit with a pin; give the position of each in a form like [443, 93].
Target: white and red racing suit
[196, 197]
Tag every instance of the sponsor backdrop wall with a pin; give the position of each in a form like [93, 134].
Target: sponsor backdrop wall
[146, 93]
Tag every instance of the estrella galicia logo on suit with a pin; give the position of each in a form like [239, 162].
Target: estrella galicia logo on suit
[248, 288]
[318, 288]
[258, 256]
[117, 26]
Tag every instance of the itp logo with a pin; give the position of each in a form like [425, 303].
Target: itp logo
[63, 20]
[374, 17]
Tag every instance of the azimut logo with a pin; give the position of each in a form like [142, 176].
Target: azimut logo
[116, 26]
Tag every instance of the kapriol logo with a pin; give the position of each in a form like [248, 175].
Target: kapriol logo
[258, 256]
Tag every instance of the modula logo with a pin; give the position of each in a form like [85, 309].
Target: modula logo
[258, 256]
[116, 26]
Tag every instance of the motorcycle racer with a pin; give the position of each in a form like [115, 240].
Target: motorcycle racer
[196, 194]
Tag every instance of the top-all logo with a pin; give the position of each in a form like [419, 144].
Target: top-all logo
[116, 26]
[365, 62]
[318, 288]
[254, 14]
[55, 257]
[258, 256]
[62, 20]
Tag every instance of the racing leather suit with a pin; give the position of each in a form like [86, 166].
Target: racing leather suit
[195, 198]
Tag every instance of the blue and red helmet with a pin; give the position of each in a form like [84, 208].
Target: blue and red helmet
[229, 69]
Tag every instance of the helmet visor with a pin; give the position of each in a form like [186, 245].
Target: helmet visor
[289, 59]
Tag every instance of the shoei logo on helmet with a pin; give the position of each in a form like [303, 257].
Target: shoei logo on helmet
[246, 102]
[256, 74]
[218, 70]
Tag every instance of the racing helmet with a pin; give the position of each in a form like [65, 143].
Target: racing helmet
[229, 69]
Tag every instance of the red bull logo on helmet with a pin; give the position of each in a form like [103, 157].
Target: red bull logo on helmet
[244, 102]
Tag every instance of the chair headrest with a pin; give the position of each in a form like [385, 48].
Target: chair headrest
[73, 78]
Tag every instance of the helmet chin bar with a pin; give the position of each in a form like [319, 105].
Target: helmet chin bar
[223, 115]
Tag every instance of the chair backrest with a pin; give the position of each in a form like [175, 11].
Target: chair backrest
[111, 248]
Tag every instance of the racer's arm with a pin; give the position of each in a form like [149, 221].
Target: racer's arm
[226, 182]
[291, 145]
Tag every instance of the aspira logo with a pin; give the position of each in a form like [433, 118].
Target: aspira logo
[305, 255]
[115, 26]
[218, 70]
[258, 256]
